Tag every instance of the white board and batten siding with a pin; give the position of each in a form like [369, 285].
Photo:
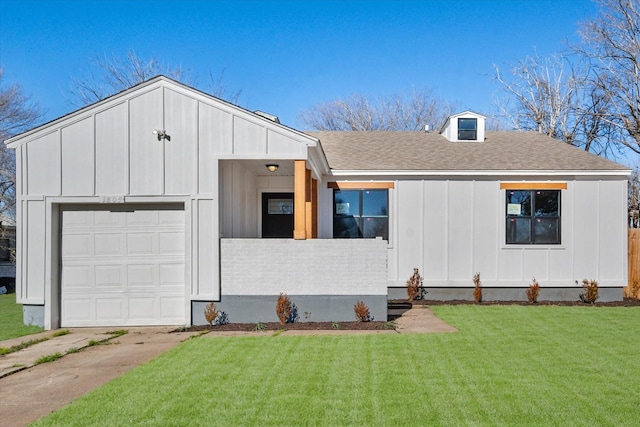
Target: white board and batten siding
[452, 229]
[107, 154]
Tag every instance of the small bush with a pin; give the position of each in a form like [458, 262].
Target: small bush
[477, 291]
[210, 313]
[260, 326]
[362, 312]
[222, 319]
[335, 325]
[590, 291]
[286, 310]
[533, 292]
[415, 290]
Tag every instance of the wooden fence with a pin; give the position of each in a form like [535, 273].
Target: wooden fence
[634, 260]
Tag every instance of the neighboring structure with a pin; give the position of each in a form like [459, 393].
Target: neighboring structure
[142, 208]
[7, 253]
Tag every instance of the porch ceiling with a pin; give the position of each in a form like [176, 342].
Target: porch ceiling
[259, 168]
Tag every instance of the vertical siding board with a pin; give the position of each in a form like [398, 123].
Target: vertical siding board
[436, 243]
[612, 230]
[214, 138]
[146, 152]
[411, 232]
[35, 251]
[586, 229]
[180, 152]
[44, 174]
[111, 147]
[460, 202]
[77, 158]
[486, 220]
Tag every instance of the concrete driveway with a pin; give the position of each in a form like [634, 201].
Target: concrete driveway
[29, 392]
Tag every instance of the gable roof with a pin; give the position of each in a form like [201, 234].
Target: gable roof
[420, 151]
[157, 81]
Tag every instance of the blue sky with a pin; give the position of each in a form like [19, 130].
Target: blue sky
[284, 55]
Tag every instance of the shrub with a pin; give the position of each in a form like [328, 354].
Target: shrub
[210, 313]
[477, 291]
[362, 312]
[533, 291]
[260, 326]
[590, 291]
[283, 308]
[414, 286]
[222, 319]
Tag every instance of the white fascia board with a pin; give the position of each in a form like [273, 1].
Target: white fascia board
[498, 173]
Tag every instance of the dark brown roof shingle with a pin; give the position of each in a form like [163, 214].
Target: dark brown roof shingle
[420, 151]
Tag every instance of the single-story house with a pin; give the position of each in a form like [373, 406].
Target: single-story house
[142, 208]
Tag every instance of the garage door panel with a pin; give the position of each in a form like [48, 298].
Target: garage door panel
[78, 309]
[77, 245]
[77, 277]
[142, 243]
[109, 244]
[109, 309]
[171, 243]
[108, 219]
[109, 277]
[123, 267]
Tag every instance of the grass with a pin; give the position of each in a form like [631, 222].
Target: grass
[508, 365]
[11, 324]
[22, 345]
[49, 358]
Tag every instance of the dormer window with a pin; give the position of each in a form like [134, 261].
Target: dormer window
[467, 129]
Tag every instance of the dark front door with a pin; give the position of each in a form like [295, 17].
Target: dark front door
[277, 215]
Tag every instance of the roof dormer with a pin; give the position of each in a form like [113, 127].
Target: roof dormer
[464, 127]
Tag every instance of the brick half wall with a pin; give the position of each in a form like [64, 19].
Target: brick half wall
[325, 277]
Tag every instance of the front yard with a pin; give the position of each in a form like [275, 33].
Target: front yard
[508, 365]
[11, 325]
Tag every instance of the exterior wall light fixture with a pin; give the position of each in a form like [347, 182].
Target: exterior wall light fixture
[272, 167]
[161, 134]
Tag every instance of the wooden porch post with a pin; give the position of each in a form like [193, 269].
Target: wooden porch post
[314, 208]
[299, 200]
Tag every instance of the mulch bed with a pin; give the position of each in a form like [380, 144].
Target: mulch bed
[398, 304]
[296, 326]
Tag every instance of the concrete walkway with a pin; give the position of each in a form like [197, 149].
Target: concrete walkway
[29, 391]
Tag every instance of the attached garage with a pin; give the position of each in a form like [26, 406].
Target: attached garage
[122, 265]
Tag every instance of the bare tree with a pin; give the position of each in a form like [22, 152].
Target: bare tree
[409, 112]
[17, 114]
[113, 74]
[611, 41]
[553, 96]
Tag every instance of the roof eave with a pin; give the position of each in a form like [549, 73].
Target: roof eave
[489, 173]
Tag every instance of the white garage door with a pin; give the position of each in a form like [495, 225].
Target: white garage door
[123, 266]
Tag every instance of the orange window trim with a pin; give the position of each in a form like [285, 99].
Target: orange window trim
[533, 185]
[345, 185]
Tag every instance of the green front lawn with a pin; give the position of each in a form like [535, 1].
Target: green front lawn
[508, 365]
[11, 325]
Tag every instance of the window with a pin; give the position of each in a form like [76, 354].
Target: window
[360, 214]
[467, 129]
[533, 217]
